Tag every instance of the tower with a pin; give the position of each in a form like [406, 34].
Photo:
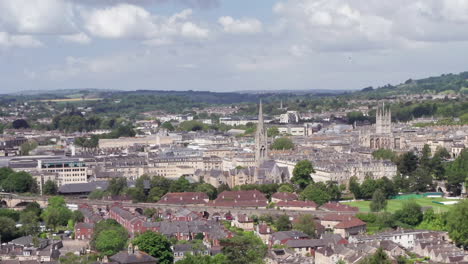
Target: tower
[261, 139]
[383, 121]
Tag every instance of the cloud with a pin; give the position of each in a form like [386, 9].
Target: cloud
[240, 26]
[353, 25]
[129, 21]
[120, 21]
[37, 16]
[79, 38]
[22, 41]
[202, 4]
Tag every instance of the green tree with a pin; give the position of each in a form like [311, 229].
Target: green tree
[77, 216]
[282, 143]
[316, 192]
[117, 186]
[27, 147]
[368, 187]
[244, 248]
[7, 229]
[207, 188]
[384, 154]
[30, 223]
[379, 257]
[33, 207]
[410, 214]
[306, 224]
[191, 259]
[379, 202]
[301, 173]
[168, 126]
[286, 188]
[96, 195]
[457, 172]
[420, 180]
[109, 237]
[457, 224]
[50, 188]
[109, 243]
[180, 185]
[407, 163]
[137, 194]
[156, 245]
[333, 190]
[57, 213]
[19, 182]
[425, 160]
[273, 131]
[283, 223]
[355, 187]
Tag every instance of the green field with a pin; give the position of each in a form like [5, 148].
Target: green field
[396, 204]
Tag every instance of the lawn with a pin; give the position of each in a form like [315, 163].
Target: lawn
[394, 205]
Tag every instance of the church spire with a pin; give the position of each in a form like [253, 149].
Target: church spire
[261, 140]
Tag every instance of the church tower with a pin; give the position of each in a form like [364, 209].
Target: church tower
[261, 139]
[383, 121]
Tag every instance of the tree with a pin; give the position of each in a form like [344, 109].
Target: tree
[286, 188]
[387, 186]
[109, 243]
[117, 186]
[180, 185]
[272, 132]
[50, 188]
[457, 225]
[317, 193]
[244, 248]
[191, 259]
[301, 173]
[355, 187]
[109, 237]
[384, 154]
[283, 223]
[379, 202]
[33, 207]
[137, 194]
[207, 188]
[168, 126]
[57, 213]
[283, 143]
[30, 223]
[149, 212]
[333, 190]
[27, 147]
[156, 245]
[410, 214]
[19, 124]
[96, 195]
[457, 172]
[368, 187]
[7, 229]
[19, 182]
[77, 216]
[379, 257]
[306, 224]
[425, 160]
[420, 180]
[407, 163]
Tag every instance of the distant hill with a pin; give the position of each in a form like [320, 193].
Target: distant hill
[445, 83]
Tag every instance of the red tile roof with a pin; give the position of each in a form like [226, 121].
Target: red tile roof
[184, 198]
[309, 204]
[285, 196]
[353, 222]
[331, 206]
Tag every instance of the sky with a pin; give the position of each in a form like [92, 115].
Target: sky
[228, 45]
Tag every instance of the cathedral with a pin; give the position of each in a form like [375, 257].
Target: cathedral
[382, 137]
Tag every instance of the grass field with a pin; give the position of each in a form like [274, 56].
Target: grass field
[394, 205]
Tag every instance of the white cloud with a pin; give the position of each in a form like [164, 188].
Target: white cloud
[23, 41]
[37, 16]
[129, 21]
[240, 26]
[120, 21]
[80, 38]
[347, 25]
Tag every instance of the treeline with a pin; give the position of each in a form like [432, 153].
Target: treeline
[418, 173]
[56, 216]
[17, 182]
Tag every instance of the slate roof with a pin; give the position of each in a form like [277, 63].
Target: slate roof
[126, 258]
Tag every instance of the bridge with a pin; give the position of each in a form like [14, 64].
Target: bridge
[18, 202]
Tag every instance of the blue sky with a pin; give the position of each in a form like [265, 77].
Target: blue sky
[227, 45]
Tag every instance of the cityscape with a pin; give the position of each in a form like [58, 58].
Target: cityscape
[155, 166]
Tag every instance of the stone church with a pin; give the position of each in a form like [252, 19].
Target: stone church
[382, 137]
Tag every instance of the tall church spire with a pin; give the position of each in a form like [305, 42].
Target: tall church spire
[261, 140]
